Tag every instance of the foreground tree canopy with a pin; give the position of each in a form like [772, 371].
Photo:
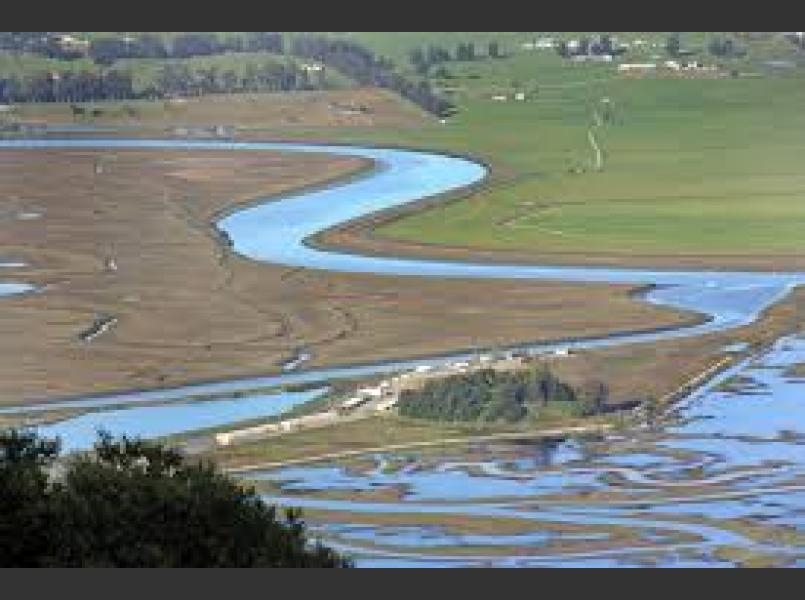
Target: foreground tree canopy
[133, 503]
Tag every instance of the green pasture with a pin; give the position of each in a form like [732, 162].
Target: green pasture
[694, 166]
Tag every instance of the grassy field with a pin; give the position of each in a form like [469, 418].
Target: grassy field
[270, 114]
[690, 167]
[704, 170]
[350, 439]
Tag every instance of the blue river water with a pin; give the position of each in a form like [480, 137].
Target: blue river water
[11, 288]
[80, 433]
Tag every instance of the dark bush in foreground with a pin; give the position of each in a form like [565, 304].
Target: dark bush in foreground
[132, 503]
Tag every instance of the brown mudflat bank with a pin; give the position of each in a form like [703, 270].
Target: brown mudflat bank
[126, 235]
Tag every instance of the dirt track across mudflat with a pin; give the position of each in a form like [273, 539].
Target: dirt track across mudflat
[128, 235]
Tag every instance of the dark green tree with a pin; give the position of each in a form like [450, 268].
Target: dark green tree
[489, 395]
[605, 45]
[592, 396]
[134, 503]
[652, 411]
[493, 50]
[471, 51]
[24, 497]
[673, 45]
[417, 59]
[465, 51]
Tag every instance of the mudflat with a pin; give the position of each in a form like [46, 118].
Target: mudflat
[140, 291]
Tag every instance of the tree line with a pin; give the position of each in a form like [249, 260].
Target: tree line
[722, 47]
[132, 503]
[186, 45]
[362, 65]
[172, 79]
[796, 39]
[67, 86]
[43, 43]
[269, 76]
[423, 59]
[487, 395]
[106, 50]
[725, 48]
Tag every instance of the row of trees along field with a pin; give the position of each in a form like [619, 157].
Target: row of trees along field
[67, 86]
[487, 395]
[106, 50]
[172, 79]
[362, 65]
[134, 503]
[797, 39]
[424, 58]
[721, 47]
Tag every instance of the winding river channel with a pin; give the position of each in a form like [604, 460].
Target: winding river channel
[723, 485]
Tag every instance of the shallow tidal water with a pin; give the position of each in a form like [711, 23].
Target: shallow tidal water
[723, 484]
[11, 288]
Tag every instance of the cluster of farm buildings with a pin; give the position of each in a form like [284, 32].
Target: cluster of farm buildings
[688, 67]
[573, 45]
[69, 43]
[578, 54]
